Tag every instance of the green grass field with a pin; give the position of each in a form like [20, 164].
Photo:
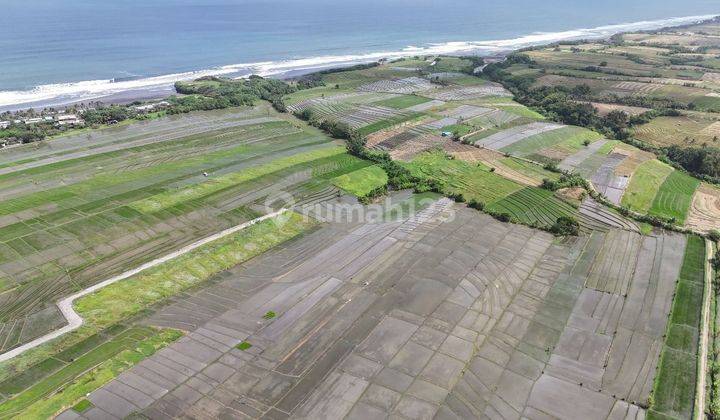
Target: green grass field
[459, 177]
[529, 169]
[361, 182]
[84, 374]
[402, 102]
[644, 185]
[533, 206]
[566, 135]
[675, 197]
[674, 388]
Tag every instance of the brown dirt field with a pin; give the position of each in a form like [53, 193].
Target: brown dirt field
[704, 214]
[604, 109]
[712, 129]
[411, 148]
[574, 194]
[711, 77]
[380, 136]
[635, 158]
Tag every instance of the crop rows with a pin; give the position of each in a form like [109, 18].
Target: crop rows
[534, 206]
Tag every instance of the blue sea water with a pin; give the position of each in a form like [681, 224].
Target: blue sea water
[79, 49]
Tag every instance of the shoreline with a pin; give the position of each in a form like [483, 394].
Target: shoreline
[158, 87]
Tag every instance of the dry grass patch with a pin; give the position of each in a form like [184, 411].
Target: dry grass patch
[704, 213]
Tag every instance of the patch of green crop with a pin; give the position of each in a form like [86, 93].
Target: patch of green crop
[644, 185]
[675, 196]
[363, 181]
[243, 346]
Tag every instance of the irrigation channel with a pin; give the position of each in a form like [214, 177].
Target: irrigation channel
[75, 320]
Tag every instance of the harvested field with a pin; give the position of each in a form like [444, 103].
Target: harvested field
[407, 150]
[427, 106]
[606, 182]
[434, 316]
[604, 109]
[635, 158]
[505, 167]
[515, 134]
[637, 87]
[468, 92]
[692, 129]
[466, 112]
[404, 86]
[704, 213]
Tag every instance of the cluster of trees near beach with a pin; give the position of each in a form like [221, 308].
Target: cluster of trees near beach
[203, 94]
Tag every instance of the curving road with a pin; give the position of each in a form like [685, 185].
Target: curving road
[75, 320]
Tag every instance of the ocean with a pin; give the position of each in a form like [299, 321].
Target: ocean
[55, 52]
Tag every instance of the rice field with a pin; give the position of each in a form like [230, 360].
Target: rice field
[674, 389]
[363, 181]
[675, 196]
[72, 215]
[568, 137]
[644, 184]
[534, 206]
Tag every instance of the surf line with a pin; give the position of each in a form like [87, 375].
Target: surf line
[74, 320]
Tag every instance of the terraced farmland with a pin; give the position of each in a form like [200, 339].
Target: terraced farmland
[432, 316]
[73, 215]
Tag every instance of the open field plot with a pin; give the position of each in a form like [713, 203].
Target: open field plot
[363, 181]
[691, 129]
[72, 215]
[435, 316]
[569, 137]
[521, 203]
[675, 196]
[674, 391]
[404, 86]
[460, 93]
[508, 137]
[644, 185]
[704, 212]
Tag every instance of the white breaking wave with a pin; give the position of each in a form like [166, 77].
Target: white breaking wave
[60, 93]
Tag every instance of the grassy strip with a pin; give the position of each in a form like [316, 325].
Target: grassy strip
[675, 197]
[29, 406]
[126, 298]
[644, 184]
[674, 389]
[129, 340]
[170, 198]
[363, 181]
